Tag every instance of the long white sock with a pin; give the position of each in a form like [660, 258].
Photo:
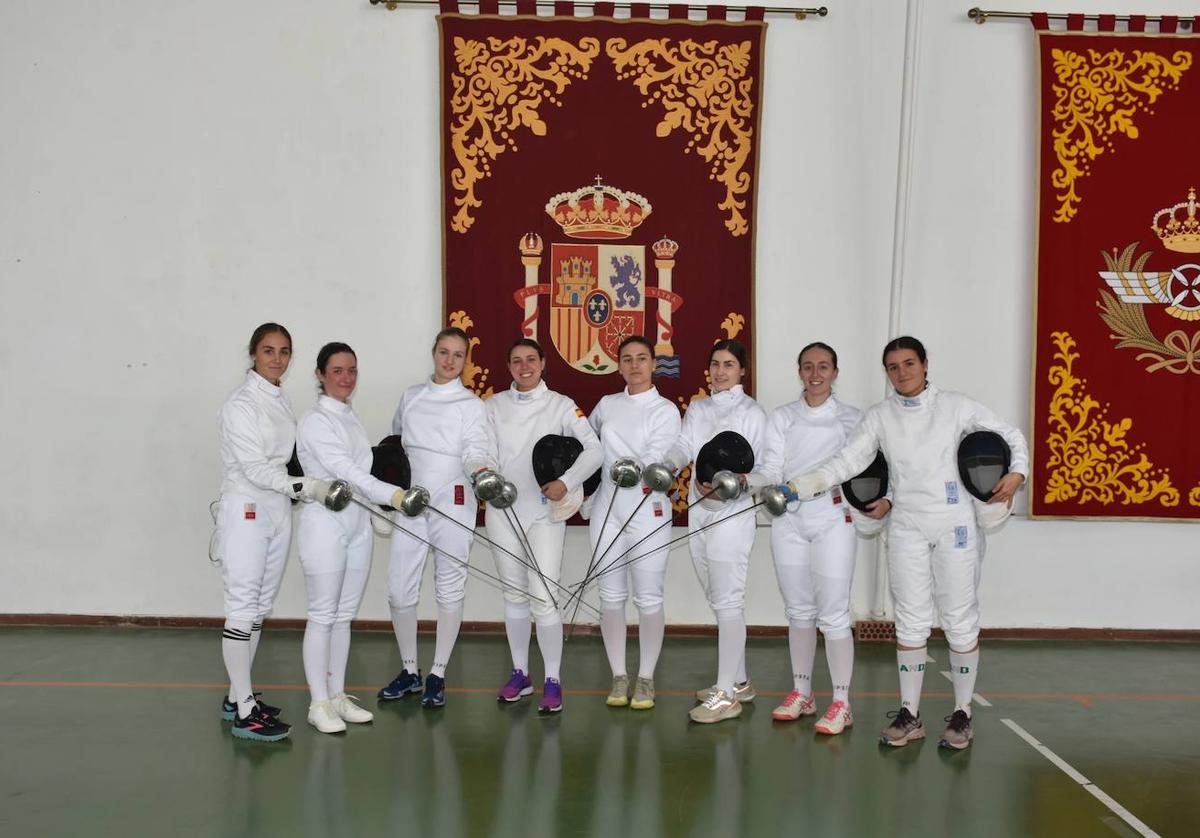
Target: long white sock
[235, 649]
[741, 676]
[731, 648]
[517, 627]
[839, 653]
[316, 659]
[963, 668]
[449, 621]
[255, 636]
[651, 627]
[802, 645]
[613, 630]
[339, 656]
[911, 665]
[404, 624]
[550, 643]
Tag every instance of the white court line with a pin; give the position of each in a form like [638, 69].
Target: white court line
[1092, 789]
[976, 697]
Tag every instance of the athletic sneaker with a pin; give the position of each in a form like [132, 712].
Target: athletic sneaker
[347, 709]
[229, 708]
[743, 692]
[793, 707]
[905, 727]
[958, 732]
[324, 718]
[435, 692]
[618, 696]
[260, 727]
[836, 719]
[718, 707]
[401, 685]
[518, 687]
[551, 697]
[643, 694]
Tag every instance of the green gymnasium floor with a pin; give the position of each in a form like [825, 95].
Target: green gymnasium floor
[116, 731]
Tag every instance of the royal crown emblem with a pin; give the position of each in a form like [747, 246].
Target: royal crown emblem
[597, 283]
[1181, 234]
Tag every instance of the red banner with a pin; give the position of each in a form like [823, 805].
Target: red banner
[1116, 393]
[598, 181]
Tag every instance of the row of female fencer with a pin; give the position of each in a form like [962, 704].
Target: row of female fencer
[459, 449]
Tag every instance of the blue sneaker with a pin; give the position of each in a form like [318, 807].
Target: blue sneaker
[551, 697]
[401, 685]
[229, 709]
[518, 687]
[260, 727]
[435, 691]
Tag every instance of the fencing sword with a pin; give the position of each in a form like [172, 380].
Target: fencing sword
[548, 582]
[514, 521]
[416, 500]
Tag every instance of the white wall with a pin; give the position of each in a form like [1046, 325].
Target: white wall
[174, 174]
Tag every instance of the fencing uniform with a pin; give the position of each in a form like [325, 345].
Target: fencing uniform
[721, 553]
[935, 546]
[254, 519]
[443, 431]
[642, 427]
[335, 547]
[515, 422]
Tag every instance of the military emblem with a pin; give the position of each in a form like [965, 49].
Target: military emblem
[1133, 289]
[597, 284]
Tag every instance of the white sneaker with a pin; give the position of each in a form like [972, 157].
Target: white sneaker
[793, 707]
[347, 709]
[324, 718]
[836, 719]
[716, 708]
[743, 692]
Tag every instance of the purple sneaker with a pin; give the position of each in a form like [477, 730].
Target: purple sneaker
[518, 687]
[551, 697]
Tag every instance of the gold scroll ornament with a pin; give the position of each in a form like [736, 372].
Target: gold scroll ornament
[705, 89]
[1096, 97]
[474, 377]
[498, 88]
[1090, 457]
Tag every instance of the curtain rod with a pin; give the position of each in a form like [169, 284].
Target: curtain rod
[800, 13]
[981, 16]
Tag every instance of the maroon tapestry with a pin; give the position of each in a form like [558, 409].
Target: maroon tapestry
[598, 181]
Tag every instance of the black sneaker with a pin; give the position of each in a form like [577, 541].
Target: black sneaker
[402, 685]
[958, 732]
[905, 727]
[229, 709]
[435, 691]
[261, 727]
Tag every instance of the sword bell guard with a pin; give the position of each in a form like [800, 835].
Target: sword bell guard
[488, 485]
[339, 496]
[773, 500]
[626, 472]
[415, 501]
[727, 485]
[658, 477]
[506, 497]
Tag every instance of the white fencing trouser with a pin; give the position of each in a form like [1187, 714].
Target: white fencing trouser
[408, 555]
[721, 556]
[335, 552]
[935, 560]
[252, 542]
[546, 540]
[649, 572]
[814, 549]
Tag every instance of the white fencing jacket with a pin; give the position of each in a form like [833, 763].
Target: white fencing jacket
[727, 410]
[258, 431]
[516, 421]
[642, 427]
[919, 437]
[333, 445]
[444, 433]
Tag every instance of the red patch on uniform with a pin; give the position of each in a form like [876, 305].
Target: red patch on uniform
[250, 512]
[658, 509]
[645, 490]
[849, 520]
[460, 495]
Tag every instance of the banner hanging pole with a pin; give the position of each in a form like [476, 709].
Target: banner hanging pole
[799, 13]
[983, 15]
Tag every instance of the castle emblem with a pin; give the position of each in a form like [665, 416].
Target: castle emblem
[597, 284]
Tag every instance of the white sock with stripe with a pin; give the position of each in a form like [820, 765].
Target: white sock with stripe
[235, 650]
[963, 669]
[910, 664]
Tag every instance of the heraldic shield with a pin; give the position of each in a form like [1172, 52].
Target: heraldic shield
[597, 299]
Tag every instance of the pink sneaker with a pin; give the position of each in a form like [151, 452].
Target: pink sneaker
[836, 719]
[793, 707]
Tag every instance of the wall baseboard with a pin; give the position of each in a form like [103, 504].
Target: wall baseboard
[496, 627]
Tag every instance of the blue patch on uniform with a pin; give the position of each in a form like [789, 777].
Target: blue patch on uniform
[960, 538]
[952, 492]
[911, 402]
